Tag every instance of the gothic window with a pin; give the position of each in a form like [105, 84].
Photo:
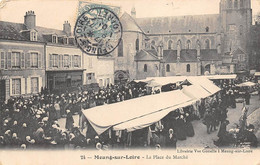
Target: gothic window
[137, 44]
[179, 43]
[207, 29]
[207, 44]
[153, 44]
[170, 44]
[188, 44]
[241, 3]
[235, 4]
[145, 67]
[188, 68]
[240, 29]
[229, 3]
[120, 49]
[168, 69]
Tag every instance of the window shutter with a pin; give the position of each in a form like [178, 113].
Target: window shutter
[29, 85]
[2, 60]
[50, 60]
[70, 59]
[28, 59]
[39, 60]
[73, 60]
[13, 58]
[60, 61]
[40, 84]
[9, 58]
[22, 86]
[22, 60]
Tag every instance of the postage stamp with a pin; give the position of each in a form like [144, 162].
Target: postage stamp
[98, 31]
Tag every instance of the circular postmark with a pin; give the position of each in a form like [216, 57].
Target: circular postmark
[98, 31]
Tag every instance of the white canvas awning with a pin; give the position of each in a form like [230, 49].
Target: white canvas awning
[222, 77]
[196, 91]
[103, 117]
[246, 84]
[257, 73]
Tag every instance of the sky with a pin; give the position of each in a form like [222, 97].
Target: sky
[52, 14]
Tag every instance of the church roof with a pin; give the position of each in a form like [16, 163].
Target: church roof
[209, 55]
[144, 55]
[129, 24]
[238, 51]
[179, 24]
[186, 55]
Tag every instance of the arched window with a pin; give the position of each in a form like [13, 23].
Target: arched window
[240, 29]
[170, 44]
[207, 29]
[241, 3]
[179, 43]
[168, 69]
[188, 68]
[145, 67]
[229, 3]
[207, 44]
[120, 49]
[153, 44]
[188, 44]
[235, 4]
[137, 44]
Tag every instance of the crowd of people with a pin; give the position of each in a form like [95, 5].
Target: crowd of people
[29, 123]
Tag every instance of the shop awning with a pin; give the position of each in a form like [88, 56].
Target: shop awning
[257, 73]
[246, 84]
[103, 117]
[196, 92]
[222, 77]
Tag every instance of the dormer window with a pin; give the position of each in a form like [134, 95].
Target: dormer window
[66, 41]
[33, 36]
[54, 39]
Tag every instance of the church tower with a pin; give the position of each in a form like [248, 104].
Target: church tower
[236, 20]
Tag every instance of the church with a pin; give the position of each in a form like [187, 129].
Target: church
[185, 45]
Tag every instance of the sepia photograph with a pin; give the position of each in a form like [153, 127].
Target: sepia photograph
[120, 80]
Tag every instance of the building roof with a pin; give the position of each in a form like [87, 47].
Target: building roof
[209, 55]
[186, 55]
[129, 24]
[11, 31]
[144, 55]
[179, 24]
[238, 51]
[47, 31]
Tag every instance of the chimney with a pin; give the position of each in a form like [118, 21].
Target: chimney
[67, 28]
[133, 12]
[29, 19]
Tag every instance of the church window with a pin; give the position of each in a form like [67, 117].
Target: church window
[168, 69]
[153, 44]
[170, 44]
[137, 44]
[229, 3]
[188, 68]
[235, 4]
[240, 29]
[145, 67]
[188, 44]
[241, 3]
[207, 29]
[207, 44]
[120, 49]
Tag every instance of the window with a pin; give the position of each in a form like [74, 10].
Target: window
[120, 52]
[16, 60]
[34, 60]
[54, 39]
[33, 36]
[229, 3]
[188, 68]
[240, 29]
[207, 29]
[16, 86]
[76, 61]
[66, 61]
[241, 58]
[145, 68]
[241, 3]
[207, 44]
[137, 44]
[235, 4]
[168, 69]
[55, 58]
[2, 60]
[153, 44]
[66, 42]
[34, 85]
[188, 44]
[170, 44]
